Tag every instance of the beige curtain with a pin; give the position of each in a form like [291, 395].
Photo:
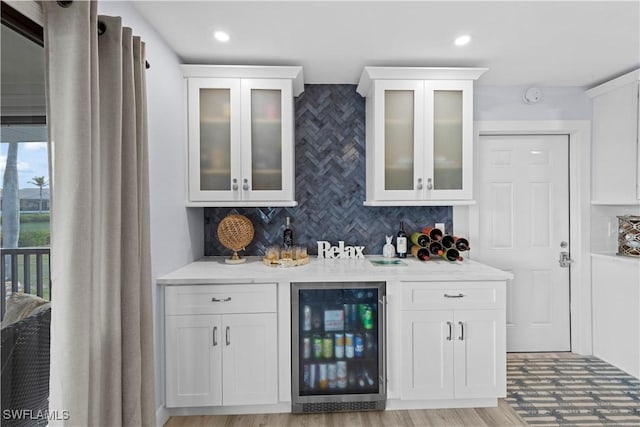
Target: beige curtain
[101, 329]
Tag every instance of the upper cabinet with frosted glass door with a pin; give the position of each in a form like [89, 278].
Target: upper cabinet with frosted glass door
[419, 125]
[241, 135]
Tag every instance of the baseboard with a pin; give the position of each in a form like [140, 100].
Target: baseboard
[162, 416]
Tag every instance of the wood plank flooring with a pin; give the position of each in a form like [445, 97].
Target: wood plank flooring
[503, 415]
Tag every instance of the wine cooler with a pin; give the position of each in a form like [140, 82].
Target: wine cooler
[338, 346]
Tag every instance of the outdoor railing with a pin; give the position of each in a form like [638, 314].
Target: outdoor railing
[25, 270]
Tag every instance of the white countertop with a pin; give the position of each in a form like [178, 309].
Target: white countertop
[616, 257]
[214, 270]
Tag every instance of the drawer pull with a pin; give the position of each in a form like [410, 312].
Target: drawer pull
[214, 299]
[228, 336]
[461, 337]
[215, 335]
[454, 296]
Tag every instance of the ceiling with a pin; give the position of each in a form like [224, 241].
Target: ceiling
[545, 43]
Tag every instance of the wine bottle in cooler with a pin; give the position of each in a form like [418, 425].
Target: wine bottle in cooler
[447, 241]
[435, 248]
[451, 254]
[420, 239]
[435, 234]
[401, 242]
[421, 253]
[462, 244]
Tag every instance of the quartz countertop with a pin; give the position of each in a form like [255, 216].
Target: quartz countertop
[212, 270]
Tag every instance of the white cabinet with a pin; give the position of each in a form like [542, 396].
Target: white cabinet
[221, 345]
[615, 148]
[458, 353]
[241, 135]
[616, 311]
[419, 125]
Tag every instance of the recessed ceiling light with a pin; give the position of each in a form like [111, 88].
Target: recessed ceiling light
[462, 40]
[221, 36]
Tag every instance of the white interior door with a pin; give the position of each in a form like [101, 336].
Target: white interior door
[523, 208]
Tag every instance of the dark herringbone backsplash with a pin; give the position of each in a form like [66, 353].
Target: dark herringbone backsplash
[330, 184]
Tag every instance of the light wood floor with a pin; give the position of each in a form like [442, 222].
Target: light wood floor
[503, 415]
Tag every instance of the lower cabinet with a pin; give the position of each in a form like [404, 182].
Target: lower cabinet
[220, 359]
[454, 353]
[616, 311]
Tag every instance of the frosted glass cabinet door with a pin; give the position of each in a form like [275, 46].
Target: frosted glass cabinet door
[400, 149]
[214, 136]
[267, 139]
[449, 134]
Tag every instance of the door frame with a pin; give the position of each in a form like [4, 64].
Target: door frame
[466, 219]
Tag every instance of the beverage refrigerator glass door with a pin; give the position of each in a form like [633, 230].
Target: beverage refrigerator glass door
[338, 337]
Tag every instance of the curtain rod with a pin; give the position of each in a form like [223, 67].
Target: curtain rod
[102, 28]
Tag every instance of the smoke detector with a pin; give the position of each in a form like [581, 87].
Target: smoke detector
[532, 95]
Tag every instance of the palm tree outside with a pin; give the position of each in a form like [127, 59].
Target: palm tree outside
[39, 181]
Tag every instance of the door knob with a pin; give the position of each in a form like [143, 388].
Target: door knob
[565, 259]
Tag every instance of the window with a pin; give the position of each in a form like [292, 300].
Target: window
[24, 168]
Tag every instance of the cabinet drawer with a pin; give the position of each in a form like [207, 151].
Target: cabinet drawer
[452, 295]
[220, 299]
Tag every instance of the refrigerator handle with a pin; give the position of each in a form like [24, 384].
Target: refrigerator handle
[383, 380]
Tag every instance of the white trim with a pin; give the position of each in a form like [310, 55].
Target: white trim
[30, 9]
[415, 73]
[417, 202]
[162, 416]
[247, 72]
[579, 132]
[616, 83]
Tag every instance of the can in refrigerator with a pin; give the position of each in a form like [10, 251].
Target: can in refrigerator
[327, 346]
[332, 372]
[306, 376]
[339, 346]
[306, 322]
[359, 346]
[313, 376]
[306, 348]
[367, 318]
[341, 374]
[323, 381]
[348, 346]
[347, 318]
[317, 347]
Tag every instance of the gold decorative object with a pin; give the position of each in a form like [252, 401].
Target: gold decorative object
[235, 232]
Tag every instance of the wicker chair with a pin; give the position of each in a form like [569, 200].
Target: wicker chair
[25, 370]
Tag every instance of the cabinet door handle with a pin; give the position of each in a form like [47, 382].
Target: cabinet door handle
[419, 183]
[228, 336]
[235, 184]
[214, 299]
[245, 186]
[429, 184]
[450, 325]
[454, 296]
[461, 337]
[215, 335]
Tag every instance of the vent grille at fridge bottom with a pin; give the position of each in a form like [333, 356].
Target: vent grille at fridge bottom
[342, 406]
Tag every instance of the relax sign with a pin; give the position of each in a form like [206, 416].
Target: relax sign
[325, 250]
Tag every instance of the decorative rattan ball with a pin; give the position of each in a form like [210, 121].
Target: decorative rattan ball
[235, 232]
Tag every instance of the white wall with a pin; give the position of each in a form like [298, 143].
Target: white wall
[505, 103]
[177, 233]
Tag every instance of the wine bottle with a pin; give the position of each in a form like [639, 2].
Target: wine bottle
[436, 248]
[447, 241]
[451, 254]
[419, 252]
[401, 242]
[420, 239]
[434, 234]
[462, 244]
[287, 236]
